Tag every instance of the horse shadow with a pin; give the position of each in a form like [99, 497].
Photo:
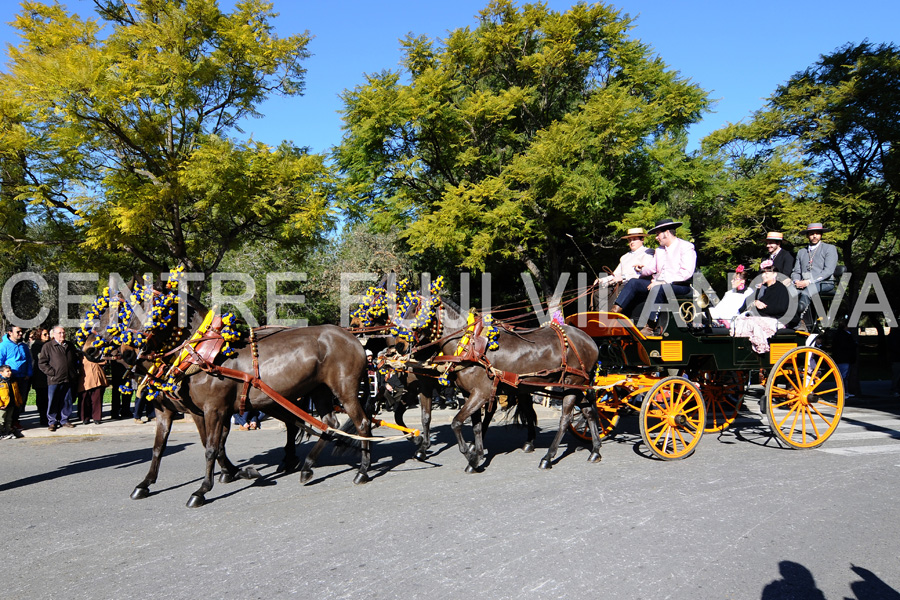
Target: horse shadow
[119, 460]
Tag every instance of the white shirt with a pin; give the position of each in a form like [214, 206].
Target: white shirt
[629, 261]
[730, 305]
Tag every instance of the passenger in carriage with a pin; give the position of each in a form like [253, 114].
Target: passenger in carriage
[782, 259]
[671, 266]
[770, 304]
[814, 268]
[732, 302]
[637, 254]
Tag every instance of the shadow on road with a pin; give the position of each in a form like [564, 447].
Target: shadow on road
[798, 583]
[117, 461]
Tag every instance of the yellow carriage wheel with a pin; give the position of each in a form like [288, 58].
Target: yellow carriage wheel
[673, 416]
[724, 394]
[804, 397]
[607, 414]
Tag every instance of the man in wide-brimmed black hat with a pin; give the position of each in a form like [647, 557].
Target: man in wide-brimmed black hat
[672, 265]
[814, 267]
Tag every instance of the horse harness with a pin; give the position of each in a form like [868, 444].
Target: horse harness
[199, 353]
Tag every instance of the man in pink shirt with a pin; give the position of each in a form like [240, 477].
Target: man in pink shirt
[672, 266]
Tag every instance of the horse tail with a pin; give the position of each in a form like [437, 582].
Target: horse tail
[344, 445]
[525, 414]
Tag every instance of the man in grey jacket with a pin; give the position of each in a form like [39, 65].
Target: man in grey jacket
[814, 266]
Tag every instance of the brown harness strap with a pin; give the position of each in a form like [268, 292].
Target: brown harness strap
[254, 351]
[268, 391]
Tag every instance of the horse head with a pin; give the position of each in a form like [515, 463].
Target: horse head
[138, 323]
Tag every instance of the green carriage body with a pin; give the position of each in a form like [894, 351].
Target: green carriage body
[689, 380]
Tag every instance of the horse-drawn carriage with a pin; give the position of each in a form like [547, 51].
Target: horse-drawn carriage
[803, 398]
[683, 382]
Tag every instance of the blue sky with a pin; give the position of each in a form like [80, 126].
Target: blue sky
[737, 51]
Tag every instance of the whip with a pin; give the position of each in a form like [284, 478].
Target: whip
[569, 235]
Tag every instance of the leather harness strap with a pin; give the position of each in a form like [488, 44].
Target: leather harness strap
[254, 351]
[259, 384]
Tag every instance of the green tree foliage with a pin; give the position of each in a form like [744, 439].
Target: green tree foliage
[824, 148]
[491, 145]
[117, 129]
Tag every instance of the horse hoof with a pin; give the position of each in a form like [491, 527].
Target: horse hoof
[360, 479]
[421, 455]
[249, 473]
[305, 476]
[288, 466]
[545, 464]
[196, 501]
[140, 493]
[470, 469]
[594, 457]
[226, 477]
[528, 448]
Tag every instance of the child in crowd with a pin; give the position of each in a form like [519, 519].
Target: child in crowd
[9, 397]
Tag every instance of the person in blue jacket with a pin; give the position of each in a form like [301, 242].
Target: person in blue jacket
[15, 353]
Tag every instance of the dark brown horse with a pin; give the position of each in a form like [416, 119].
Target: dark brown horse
[559, 357]
[422, 384]
[295, 362]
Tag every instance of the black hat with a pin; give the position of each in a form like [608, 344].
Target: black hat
[663, 225]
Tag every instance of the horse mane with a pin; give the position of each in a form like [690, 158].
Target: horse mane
[453, 305]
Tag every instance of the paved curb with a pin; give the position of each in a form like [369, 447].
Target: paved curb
[876, 393]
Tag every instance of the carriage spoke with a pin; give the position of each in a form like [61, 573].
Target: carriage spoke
[794, 422]
[796, 383]
[812, 422]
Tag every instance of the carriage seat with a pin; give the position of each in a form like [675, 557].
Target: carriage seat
[826, 297]
[838, 273]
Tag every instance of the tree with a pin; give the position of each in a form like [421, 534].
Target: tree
[509, 136]
[823, 149]
[123, 140]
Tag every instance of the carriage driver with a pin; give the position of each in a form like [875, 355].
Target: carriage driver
[637, 254]
[672, 266]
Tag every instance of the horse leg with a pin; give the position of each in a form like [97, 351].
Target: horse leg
[474, 453]
[525, 410]
[486, 422]
[163, 428]
[290, 462]
[399, 409]
[425, 439]
[230, 472]
[363, 428]
[212, 434]
[306, 471]
[568, 405]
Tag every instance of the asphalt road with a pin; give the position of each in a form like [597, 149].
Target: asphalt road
[741, 518]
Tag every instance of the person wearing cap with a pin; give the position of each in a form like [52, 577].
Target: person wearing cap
[765, 310]
[814, 266]
[637, 254]
[781, 258]
[671, 266]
